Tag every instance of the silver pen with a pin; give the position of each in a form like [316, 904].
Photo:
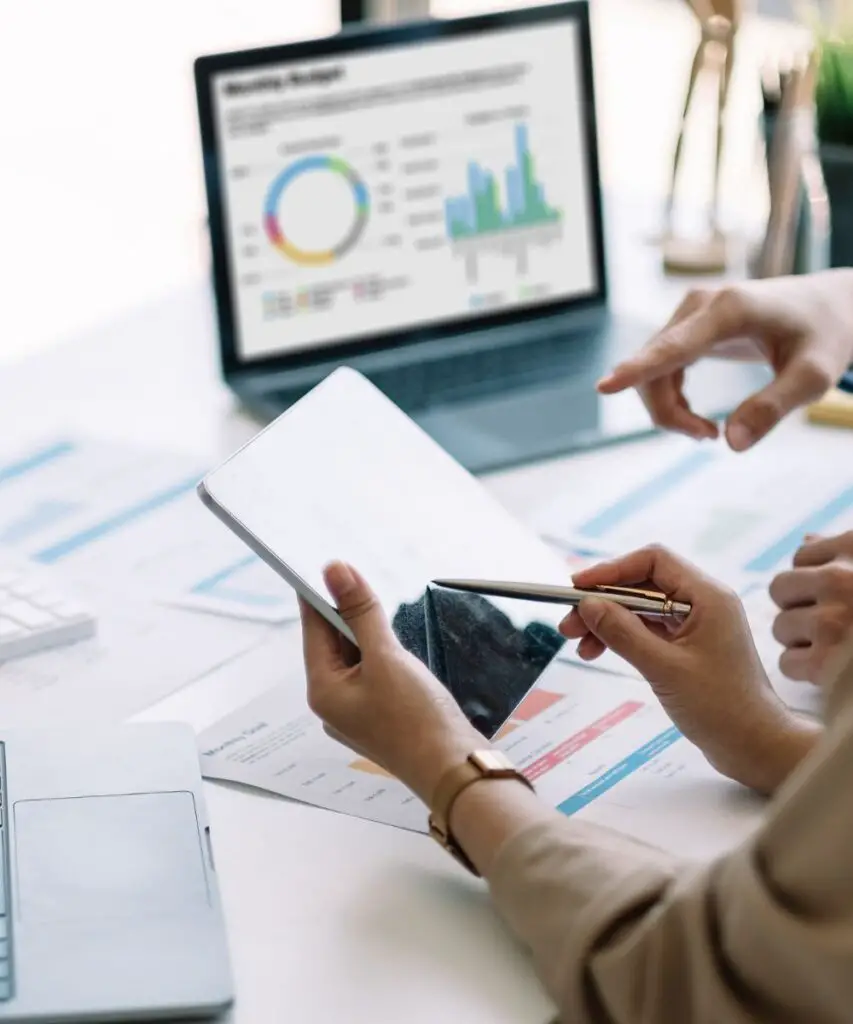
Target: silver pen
[650, 604]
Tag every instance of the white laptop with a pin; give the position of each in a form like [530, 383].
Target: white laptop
[109, 907]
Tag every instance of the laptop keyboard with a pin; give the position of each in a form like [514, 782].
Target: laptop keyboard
[471, 374]
[5, 936]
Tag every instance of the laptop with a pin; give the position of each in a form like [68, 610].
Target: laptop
[108, 898]
[422, 202]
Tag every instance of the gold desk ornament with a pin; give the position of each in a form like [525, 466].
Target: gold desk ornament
[718, 22]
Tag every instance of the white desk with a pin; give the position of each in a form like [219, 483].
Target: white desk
[330, 918]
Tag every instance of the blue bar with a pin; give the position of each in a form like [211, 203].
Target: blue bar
[115, 522]
[644, 495]
[814, 523]
[448, 216]
[205, 586]
[520, 144]
[619, 771]
[513, 192]
[39, 458]
[473, 180]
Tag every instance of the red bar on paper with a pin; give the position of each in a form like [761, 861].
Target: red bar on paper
[534, 704]
[536, 769]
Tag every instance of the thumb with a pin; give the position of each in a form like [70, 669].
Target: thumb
[357, 605]
[798, 383]
[623, 632]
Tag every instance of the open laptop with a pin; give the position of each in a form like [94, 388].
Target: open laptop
[423, 203]
[108, 899]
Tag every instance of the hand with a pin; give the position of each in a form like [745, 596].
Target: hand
[706, 672]
[802, 326]
[816, 602]
[380, 700]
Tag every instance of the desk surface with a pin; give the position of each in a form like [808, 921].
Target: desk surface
[330, 918]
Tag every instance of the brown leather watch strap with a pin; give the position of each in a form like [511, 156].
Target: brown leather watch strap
[482, 764]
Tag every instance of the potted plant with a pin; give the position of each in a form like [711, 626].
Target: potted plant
[834, 117]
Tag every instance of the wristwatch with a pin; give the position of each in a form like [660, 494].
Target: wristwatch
[846, 382]
[482, 764]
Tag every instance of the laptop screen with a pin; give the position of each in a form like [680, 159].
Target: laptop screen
[387, 189]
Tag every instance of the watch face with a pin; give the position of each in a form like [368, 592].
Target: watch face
[488, 661]
[491, 761]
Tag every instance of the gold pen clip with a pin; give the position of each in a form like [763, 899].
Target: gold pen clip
[652, 595]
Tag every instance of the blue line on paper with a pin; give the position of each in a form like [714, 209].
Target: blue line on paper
[125, 517]
[205, 586]
[620, 771]
[649, 491]
[212, 587]
[36, 460]
[42, 516]
[813, 523]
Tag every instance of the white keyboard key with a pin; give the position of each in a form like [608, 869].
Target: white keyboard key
[68, 610]
[26, 614]
[8, 629]
[36, 613]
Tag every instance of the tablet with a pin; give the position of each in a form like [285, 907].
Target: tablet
[344, 474]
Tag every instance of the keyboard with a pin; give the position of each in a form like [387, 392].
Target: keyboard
[5, 937]
[36, 611]
[469, 375]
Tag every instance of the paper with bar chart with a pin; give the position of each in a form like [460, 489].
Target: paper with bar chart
[101, 512]
[729, 513]
[593, 745]
[409, 186]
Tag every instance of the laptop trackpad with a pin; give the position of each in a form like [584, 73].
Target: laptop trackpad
[136, 856]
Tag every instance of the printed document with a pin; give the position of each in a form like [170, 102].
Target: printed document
[727, 512]
[595, 745]
[124, 529]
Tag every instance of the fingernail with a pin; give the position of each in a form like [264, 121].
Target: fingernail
[592, 610]
[740, 437]
[339, 579]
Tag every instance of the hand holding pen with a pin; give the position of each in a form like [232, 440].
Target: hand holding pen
[705, 671]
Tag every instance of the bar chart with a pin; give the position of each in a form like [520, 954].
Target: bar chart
[507, 219]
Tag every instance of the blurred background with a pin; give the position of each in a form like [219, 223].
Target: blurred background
[101, 202]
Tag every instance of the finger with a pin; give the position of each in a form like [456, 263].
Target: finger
[682, 343]
[796, 384]
[358, 606]
[573, 627]
[669, 408]
[798, 663]
[795, 588]
[673, 575]
[624, 633]
[818, 551]
[795, 628]
[322, 644]
[590, 648]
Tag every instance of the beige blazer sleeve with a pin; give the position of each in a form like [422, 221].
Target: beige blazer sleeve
[621, 932]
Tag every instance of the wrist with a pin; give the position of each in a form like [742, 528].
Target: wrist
[432, 756]
[770, 751]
